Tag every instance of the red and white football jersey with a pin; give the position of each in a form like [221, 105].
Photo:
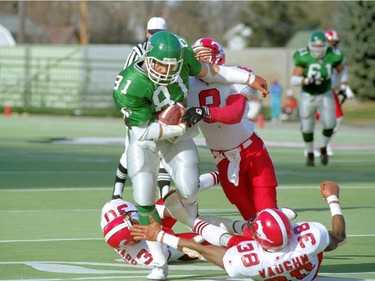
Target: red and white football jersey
[220, 136]
[299, 260]
[139, 253]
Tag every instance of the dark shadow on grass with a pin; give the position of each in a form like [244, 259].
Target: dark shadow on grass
[202, 277]
[347, 268]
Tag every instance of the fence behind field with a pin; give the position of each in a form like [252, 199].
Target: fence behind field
[75, 77]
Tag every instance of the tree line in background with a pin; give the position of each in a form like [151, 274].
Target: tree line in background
[272, 23]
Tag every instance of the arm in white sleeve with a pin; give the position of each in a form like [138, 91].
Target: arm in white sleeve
[344, 78]
[226, 75]
[296, 80]
[156, 131]
[246, 90]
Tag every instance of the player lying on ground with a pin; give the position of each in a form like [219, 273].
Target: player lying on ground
[119, 215]
[270, 247]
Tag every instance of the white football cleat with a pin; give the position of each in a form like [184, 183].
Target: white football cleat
[329, 150]
[290, 213]
[158, 273]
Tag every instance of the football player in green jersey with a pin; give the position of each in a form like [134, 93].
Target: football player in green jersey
[159, 79]
[313, 71]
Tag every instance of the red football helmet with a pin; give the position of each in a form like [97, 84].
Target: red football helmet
[117, 232]
[271, 228]
[116, 220]
[332, 35]
[209, 51]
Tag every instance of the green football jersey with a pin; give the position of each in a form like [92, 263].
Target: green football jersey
[320, 70]
[140, 99]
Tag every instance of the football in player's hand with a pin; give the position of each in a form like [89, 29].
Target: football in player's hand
[328, 188]
[172, 114]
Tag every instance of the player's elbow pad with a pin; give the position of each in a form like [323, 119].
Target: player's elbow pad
[296, 80]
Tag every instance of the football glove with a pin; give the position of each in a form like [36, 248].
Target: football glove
[194, 114]
[342, 96]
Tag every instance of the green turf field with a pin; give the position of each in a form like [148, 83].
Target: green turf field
[53, 188]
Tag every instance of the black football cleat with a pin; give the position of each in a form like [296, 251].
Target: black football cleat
[310, 159]
[324, 156]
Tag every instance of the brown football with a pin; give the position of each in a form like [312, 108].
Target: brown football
[172, 114]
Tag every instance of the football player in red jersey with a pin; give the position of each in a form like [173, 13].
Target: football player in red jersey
[246, 171]
[118, 217]
[269, 248]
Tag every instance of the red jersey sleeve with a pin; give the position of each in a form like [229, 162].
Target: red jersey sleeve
[231, 113]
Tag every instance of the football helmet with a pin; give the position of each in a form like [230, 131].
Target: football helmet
[318, 44]
[271, 228]
[164, 48]
[332, 35]
[116, 220]
[208, 50]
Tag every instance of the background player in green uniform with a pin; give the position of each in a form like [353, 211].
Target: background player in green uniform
[142, 90]
[313, 70]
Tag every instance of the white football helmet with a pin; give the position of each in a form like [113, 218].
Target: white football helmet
[208, 50]
[332, 35]
[116, 220]
[271, 228]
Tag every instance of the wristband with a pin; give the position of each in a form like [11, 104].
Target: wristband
[332, 199]
[343, 87]
[251, 79]
[160, 236]
[335, 209]
[167, 239]
[296, 80]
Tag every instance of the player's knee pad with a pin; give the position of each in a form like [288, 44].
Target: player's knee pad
[327, 132]
[308, 137]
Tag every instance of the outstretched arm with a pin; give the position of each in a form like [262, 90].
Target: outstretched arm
[154, 232]
[330, 192]
[211, 73]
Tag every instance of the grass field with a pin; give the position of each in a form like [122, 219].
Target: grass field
[57, 172]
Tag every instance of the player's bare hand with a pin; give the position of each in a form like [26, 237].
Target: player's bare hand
[328, 188]
[146, 232]
[261, 85]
